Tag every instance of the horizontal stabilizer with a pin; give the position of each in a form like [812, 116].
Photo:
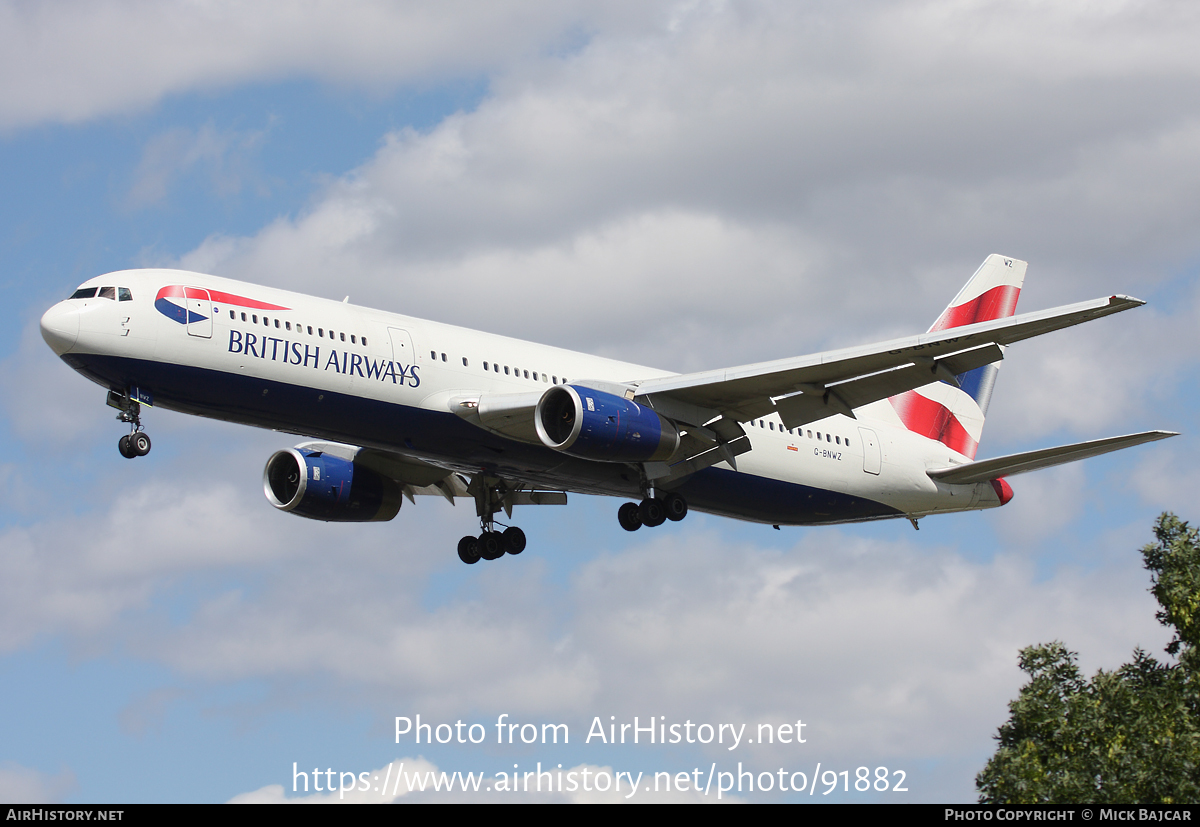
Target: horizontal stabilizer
[990, 469]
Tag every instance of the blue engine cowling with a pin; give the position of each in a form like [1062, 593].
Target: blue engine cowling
[324, 487]
[595, 425]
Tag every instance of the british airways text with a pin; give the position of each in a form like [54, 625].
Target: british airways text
[298, 353]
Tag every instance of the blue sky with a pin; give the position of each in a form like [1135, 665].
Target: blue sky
[688, 185]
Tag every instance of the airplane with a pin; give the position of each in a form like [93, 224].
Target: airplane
[397, 406]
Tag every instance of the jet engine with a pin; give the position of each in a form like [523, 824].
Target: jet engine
[321, 486]
[596, 425]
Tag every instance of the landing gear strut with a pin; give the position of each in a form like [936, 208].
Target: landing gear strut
[652, 511]
[491, 497]
[137, 442]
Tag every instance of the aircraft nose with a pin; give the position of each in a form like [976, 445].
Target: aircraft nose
[60, 327]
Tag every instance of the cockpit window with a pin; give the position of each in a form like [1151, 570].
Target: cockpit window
[84, 293]
[107, 293]
[124, 295]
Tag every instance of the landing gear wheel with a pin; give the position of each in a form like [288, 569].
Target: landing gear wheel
[513, 540]
[652, 512]
[140, 443]
[467, 550]
[675, 506]
[125, 448]
[490, 545]
[627, 516]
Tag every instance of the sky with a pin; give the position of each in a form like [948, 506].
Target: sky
[689, 185]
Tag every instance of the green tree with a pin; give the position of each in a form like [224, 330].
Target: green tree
[1124, 737]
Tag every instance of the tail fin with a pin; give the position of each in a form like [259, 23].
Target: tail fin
[954, 416]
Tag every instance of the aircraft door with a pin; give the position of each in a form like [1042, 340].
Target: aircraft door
[199, 312]
[872, 459]
[404, 356]
[402, 348]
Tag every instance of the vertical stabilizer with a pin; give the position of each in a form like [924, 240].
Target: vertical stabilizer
[954, 416]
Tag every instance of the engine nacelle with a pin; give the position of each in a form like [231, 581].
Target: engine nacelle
[595, 425]
[321, 486]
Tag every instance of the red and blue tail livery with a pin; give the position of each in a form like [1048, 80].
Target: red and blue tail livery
[953, 414]
[871, 432]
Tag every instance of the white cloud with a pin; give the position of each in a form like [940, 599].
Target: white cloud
[79, 60]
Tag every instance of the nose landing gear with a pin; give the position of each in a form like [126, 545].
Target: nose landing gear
[137, 442]
[133, 445]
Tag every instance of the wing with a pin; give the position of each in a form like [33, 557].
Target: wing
[807, 388]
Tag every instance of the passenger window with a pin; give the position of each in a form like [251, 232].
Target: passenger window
[433, 355]
[287, 325]
[243, 317]
[364, 341]
[553, 380]
[443, 357]
[84, 293]
[465, 365]
[353, 341]
[496, 368]
[107, 293]
[124, 295]
[506, 370]
[485, 365]
[309, 328]
[342, 336]
[535, 376]
[321, 332]
[277, 323]
[838, 440]
[255, 318]
[526, 374]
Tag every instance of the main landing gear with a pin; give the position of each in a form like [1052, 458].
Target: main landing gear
[492, 495]
[491, 544]
[652, 511]
[137, 442]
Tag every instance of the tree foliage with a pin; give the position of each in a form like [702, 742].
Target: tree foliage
[1124, 737]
